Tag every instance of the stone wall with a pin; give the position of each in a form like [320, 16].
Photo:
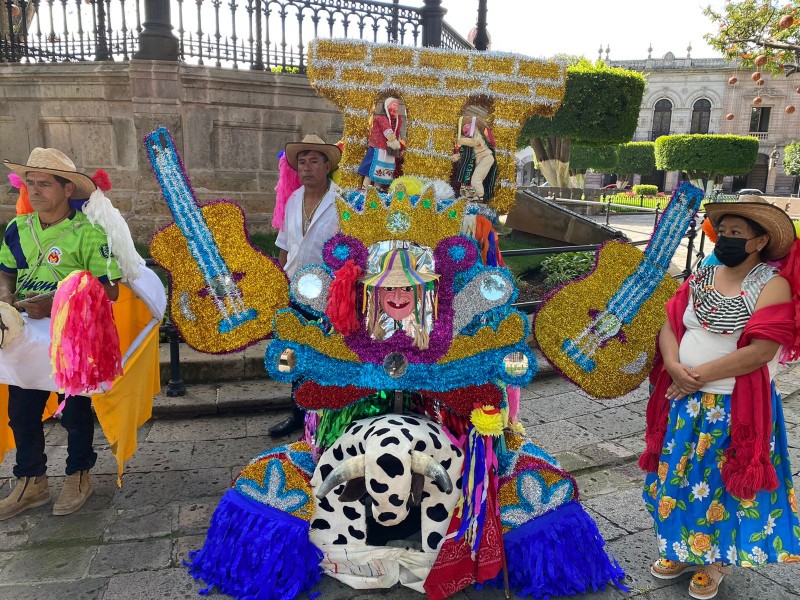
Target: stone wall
[229, 126]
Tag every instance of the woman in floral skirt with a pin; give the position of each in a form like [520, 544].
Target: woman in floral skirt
[719, 485]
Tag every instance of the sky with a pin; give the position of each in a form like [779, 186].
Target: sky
[628, 27]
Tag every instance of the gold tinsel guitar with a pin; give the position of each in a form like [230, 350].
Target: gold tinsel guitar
[225, 293]
[600, 331]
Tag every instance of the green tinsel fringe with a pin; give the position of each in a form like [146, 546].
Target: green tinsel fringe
[332, 423]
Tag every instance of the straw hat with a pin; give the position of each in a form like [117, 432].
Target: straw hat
[55, 162]
[313, 142]
[398, 269]
[773, 219]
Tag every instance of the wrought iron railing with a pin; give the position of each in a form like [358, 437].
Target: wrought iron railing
[255, 34]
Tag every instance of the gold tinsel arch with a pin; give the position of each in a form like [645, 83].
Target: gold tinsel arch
[435, 85]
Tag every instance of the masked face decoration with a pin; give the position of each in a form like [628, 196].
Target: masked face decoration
[399, 296]
[397, 302]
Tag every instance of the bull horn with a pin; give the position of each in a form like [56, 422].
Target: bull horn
[349, 469]
[425, 465]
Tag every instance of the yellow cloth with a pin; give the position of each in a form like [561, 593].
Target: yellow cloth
[129, 403]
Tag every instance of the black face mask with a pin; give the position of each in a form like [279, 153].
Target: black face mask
[730, 250]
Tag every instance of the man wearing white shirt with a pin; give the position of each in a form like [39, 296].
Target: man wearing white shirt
[311, 220]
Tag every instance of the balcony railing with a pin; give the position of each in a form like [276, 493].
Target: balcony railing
[255, 34]
[761, 136]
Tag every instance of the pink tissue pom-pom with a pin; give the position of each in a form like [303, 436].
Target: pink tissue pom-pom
[16, 180]
[84, 348]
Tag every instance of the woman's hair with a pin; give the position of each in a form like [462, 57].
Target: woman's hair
[755, 227]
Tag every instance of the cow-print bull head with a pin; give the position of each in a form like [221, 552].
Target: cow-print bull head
[396, 461]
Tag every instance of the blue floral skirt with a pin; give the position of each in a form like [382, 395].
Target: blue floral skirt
[696, 519]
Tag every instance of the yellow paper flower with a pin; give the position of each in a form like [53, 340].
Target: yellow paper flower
[487, 420]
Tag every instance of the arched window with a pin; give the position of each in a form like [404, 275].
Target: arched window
[701, 116]
[662, 118]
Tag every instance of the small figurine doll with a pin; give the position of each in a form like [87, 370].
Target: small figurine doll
[383, 146]
[476, 171]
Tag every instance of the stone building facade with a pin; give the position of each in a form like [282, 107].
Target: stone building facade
[690, 95]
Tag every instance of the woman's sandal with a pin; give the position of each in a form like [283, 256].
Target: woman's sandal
[664, 568]
[704, 585]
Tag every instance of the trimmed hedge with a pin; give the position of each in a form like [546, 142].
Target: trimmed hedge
[600, 106]
[600, 159]
[636, 158]
[706, 155]
[645, 190]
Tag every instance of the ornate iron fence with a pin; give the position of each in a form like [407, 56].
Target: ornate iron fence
[255, 34]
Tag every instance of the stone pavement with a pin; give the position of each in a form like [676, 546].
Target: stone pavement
[128, 543]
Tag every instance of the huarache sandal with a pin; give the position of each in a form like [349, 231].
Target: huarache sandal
[664, 568]
[706, 580]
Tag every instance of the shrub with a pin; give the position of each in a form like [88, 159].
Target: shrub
[645, 190]
[706, 155]
[563, 268]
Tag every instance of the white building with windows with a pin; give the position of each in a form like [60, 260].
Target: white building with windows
[690, 95]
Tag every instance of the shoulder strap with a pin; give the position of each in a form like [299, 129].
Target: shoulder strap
[40, 261]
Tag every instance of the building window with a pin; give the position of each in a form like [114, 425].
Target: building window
[759, 119]
[701, 116]
[662, 118]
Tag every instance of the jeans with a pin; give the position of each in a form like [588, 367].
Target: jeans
[25, 410]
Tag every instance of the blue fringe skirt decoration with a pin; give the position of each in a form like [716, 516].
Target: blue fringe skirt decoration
[256, 552]
[559, 553]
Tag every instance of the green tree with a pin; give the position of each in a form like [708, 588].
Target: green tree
[760, 33]
[601, 159]
[705, 157]
[635, 158]
[791, 159]
[600, 106]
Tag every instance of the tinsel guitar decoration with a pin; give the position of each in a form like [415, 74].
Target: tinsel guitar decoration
[220, 299]
[600, 331]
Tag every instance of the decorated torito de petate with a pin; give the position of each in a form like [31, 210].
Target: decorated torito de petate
[402, 343]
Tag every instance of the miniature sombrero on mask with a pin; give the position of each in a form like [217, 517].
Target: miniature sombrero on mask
[398, 269]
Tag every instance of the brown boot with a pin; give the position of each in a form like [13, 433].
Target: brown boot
[77, 489]
[29, 492]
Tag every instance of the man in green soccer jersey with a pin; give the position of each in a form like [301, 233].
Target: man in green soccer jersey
[39, 250]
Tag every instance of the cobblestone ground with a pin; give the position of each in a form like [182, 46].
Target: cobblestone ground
[128, 543]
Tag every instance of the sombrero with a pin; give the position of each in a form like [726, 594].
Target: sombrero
[55, 162]
[313, 142]
[773, 219]
[398, 269]
[11, 324]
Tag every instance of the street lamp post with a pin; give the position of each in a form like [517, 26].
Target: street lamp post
[156, 41]
[481, 41]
